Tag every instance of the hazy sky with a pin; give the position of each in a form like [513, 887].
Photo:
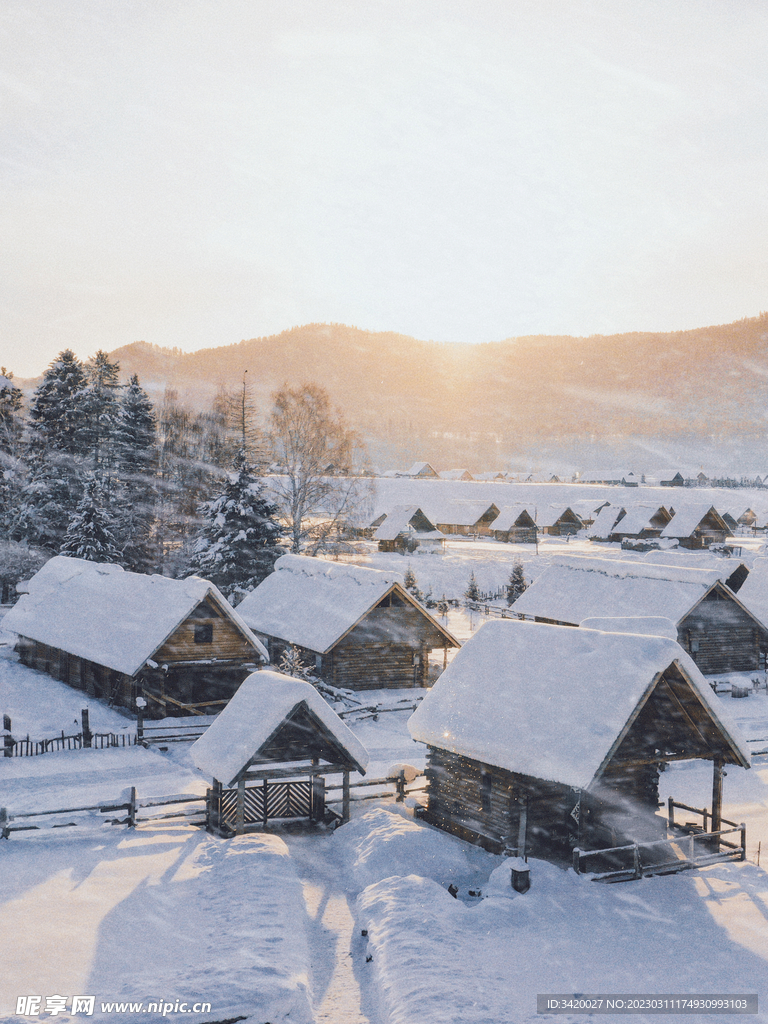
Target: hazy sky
[195, 173]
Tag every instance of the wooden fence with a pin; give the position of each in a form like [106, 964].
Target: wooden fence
[166, 808]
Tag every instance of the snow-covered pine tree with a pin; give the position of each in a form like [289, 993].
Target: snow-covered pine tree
[56, 415]
[291, 663]
[472, 593]
[411, 583]
[517, 584]
[89, 534]
[12, 467]
[136, 461]
[101, 411]
[237, 546]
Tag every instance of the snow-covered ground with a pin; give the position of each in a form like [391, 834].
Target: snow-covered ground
[271, 927]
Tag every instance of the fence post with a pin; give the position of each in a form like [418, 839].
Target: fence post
[636, 861]
[132, 808]
[743, 829]
[345, 797]
[8, 740]
[671, 812]
[4, 830]
[400, 785]
[87, 734]
[576, 859]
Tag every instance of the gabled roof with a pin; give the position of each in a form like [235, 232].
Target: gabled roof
[573, 589]
[114, 618]
[403, 518]
[551, 514]
[552, 702]
[463, 513]
[605, 520]
[510, 515]
[421, 469]
[637, 519]
[455, 474]
[753, 593]
[685, 520]
[314, 603]
[260, 705]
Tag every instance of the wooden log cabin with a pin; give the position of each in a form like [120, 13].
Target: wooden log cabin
[466, 518]
[354, 627]
[558, 521]
[640, 522]
[269, 753]
[714, 626]
[542, 739]
[515, 525]
[405, 528]
[117, 634]
[697, 526]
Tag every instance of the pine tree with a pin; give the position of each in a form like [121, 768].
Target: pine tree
[56, 415]
[292, 664]
[411, 583]
[89, 534]
[237, 546]
[12, 466]
[516, 585]
[100, 408]
[472, 593]
[136, 462]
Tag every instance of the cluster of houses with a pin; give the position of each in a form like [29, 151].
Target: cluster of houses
[404, 528]
[545, 734]
[602, 477]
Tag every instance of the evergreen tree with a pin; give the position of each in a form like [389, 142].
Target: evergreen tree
[292, 664]
[136, 461]
[237, 546]
[472, 593]
[411, 583]
[56, 415]
[12, 466]
[100, 407]
[89, 534]
[516, 585]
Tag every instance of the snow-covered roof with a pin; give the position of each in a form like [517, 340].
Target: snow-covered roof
[753, 592]
[686, 519]
[605, 520]
[462, 513]
[455, 474]
[550, 514]
[646, 625]
[573, 589]
[261, 703]
[637, 519]
[114, 618]
[314, 603]
[551, 701]
[508, 516]
[399, 520]
[421, 469]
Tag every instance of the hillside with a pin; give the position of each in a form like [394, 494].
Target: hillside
[652, 399]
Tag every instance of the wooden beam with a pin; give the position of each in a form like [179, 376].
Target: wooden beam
[717, 795]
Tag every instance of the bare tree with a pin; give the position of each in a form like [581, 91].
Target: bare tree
[318, 465]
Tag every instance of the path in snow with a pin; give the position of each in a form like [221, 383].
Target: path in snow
[343, 984]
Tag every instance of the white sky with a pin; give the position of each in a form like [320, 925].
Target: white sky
[194, 173]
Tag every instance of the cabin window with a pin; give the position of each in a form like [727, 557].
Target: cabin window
[487, 787]
[204, 633]
[318, 663]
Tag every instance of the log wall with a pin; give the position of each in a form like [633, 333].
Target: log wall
[722, 637]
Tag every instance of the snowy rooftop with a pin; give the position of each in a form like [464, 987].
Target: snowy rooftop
[573, 589]
[398, 521]
[261, 703]
[685, 520]
[114, 618]
[461, 513]
[754, 591]
[549, 514]
[312, 602]
[550, 701]
[509, 515]
[604, 522]
[637, 519]
[646, 625]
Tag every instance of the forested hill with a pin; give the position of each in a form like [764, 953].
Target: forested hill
[688, 391]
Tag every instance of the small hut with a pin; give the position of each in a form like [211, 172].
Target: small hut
[422, 471]
[641, 522]
[696, 526]
[515, 525]
[269, 753]
[354, 627]
[405, 528]
[542, 739]
[116, 634]
[558, 521]
[718, 631]
[467, 517]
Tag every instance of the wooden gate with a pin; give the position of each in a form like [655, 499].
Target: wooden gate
[267, 801]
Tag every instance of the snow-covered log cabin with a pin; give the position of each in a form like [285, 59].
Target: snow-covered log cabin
[115, 634]
[558, 521]
[467, 518]
[354, 627]
[696, 526]
[640, 522]
[406, 528]
[718, 631]
[542, 738]
[269, 751]
[515, 525]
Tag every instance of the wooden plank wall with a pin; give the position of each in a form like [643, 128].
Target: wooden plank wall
[729, 639]
[228, 643]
